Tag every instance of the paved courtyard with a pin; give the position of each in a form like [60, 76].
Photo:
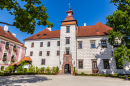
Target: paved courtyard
[61, 80]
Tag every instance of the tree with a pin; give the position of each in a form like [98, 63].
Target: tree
[119, 20]
[25, 18]
[20, 66]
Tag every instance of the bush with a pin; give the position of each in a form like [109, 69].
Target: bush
[57, 69]
[48, 70]
[9, 69]
[38, 70]
[31, 69]
[82, 73]
[54, 70]
[42, 69]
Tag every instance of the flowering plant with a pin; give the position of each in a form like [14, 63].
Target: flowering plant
[4, 58]
[7, 47]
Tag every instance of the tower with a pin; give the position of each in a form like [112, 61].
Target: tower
[68, 43]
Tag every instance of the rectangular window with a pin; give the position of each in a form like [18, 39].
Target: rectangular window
[106, 63]
[94, 64]
[58, 53]
[58, 43]
[67, 40]
[14, 47]
[43, 62]
[116, 43]
[40, 53]
[80, 63]
[67, 51]
[41, 44]
[80, 45]
[2, 68]
[48, 53]
[104, 43]
[31, 53]
[48, 44]
[93, 44]
[7, 43]
[32, 45]
[5, 57]
[67, 29]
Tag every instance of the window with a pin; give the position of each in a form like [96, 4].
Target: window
[48, 44]
[67, 51]
[31, 53]
[2, 68]
[94, 64]
[7, 44]
[41, 44]
[5, 57]
[12, 58]
[43, 62]
[106, 63]
[103, 43]
[116, 43]
[32, 45]
[67, 40]
[48, 53]
[15, 47]
[44, 34]
[38, 35]
[40, 53]
[80, 44]
[58, 53]
[80, 64]
[68, 29]
[92, 44]
[58, 43]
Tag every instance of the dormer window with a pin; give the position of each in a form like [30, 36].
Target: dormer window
[44, 34]
[38, 35]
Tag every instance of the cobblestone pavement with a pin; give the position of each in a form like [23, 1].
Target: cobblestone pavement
[61, 80]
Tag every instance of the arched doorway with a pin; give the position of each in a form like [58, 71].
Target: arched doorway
[67, 69]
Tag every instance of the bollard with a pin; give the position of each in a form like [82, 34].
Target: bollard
[126, 77]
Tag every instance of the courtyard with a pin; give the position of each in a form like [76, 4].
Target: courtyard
[61, 80]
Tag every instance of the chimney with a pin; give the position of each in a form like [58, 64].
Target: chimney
[84, 24]
[14, 34]
[49, 28]
[6, 28]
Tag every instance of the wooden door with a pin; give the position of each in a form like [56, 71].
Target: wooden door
[94, 67]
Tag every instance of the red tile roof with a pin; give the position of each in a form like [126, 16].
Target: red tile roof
[8, 35]
[45, 34]
[95, 30]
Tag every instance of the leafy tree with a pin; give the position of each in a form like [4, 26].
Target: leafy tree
[25, 17]
[119, 20]
[20, 67]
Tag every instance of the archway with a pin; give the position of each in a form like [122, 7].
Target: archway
[67, 69]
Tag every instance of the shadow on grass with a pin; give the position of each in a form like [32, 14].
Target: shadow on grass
[10, 80]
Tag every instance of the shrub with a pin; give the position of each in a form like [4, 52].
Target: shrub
[82, 73]
[9, 69]
[42, 69]
[38, 70]
[31, 69]
[57, 69]
[74, 70]
[48, 69]
[54, 69]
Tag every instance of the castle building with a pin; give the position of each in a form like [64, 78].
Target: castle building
[84, 48]
[11, 49]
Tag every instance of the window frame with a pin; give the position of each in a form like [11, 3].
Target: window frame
[40, 53]
[58, 54]
[107, 64]
[32, 44]
[79, 64]
[79, 45]
[43, 63]
[31, 53]
[91, 44]
[48, 53]
[68, 38]
[41, 44]
[66, 50]
[48, 44]
[103, 43]
[67, 29]
[58, 43]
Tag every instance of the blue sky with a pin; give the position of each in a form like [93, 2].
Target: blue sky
[85, 11]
